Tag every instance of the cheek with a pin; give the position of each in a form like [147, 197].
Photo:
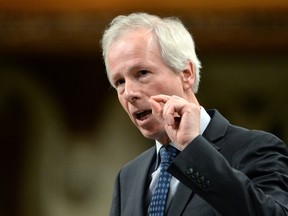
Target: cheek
[124, 105]
[157, 87]
[166, 88]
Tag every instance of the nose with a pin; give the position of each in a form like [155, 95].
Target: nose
[131, 91]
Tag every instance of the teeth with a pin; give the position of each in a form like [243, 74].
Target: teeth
[142, 114]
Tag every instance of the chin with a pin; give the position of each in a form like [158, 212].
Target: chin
[147, 134]
[159, 135]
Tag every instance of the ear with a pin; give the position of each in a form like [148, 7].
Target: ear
[188, 76]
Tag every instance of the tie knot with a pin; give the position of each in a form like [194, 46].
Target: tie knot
[167, 154]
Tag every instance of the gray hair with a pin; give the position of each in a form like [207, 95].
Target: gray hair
[175, 42]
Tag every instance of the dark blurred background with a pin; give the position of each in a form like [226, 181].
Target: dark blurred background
[63, 135]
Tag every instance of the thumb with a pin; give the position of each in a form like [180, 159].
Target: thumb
[157, 111]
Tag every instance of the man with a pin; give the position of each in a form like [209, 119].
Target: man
[220, 169]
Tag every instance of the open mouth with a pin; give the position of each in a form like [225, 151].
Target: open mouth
[142, 115]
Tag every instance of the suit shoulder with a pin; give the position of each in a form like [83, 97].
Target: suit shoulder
[143, 158]
[240, 142]
[244, 135]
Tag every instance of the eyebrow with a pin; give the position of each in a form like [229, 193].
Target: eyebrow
[141, 66]
[136, 67]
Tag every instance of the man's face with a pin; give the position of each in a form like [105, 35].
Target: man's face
[137, 72]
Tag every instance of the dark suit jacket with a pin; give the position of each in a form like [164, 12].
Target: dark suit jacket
[229, 171]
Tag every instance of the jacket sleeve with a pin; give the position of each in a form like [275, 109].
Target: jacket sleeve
[252, 181]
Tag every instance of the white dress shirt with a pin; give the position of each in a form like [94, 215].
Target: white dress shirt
[204, 121]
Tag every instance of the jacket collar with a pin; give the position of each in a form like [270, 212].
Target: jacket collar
[217, 127]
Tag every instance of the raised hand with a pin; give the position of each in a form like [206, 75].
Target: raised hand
[181, 118]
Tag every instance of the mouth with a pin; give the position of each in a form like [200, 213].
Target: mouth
[142, 115]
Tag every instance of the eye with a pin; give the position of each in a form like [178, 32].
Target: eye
[143, 72]
[119, 82]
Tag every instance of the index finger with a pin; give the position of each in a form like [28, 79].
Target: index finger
[160, 98]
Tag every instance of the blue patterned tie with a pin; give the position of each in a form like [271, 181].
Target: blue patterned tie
[159, 197]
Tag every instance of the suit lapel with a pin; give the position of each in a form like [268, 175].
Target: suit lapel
[141, 183]
[216, 128]
[180, 200]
